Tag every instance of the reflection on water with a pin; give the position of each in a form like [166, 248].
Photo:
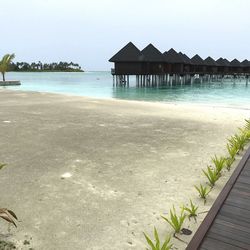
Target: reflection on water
[225, 93]
[100, 85]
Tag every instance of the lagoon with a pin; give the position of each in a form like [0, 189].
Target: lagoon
[100, 85]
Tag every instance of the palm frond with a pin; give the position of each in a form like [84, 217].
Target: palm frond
[8, 215]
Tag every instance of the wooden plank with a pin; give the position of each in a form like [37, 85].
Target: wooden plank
[233, 223]
[239, 202]
[243, 194]
[225, 237]
[242, 186]
[213, 244]
[206, 224]
[246, 173]
[240, 196]
[244, 179]
[230, 232]
[236, 192]
[235, 211]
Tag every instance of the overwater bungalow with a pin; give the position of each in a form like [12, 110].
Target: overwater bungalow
[187, 63]
[150, 66]
[128, 61]
[246, 66]
[153, 60]
[198, 66]
[235, 67]
[223, 66]
[211, 66]
[174, 63]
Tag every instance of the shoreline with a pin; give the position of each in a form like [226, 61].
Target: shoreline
[143, 102]
[127, 163]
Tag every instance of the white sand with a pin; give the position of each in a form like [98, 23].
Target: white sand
[129, 163]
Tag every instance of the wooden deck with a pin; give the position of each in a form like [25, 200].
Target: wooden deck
[227, 224]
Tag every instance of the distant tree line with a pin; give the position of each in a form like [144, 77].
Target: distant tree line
[37, 67]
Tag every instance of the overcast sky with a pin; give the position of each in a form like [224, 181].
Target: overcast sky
[89, 32]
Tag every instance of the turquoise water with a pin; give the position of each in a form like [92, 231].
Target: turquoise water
[100, 85]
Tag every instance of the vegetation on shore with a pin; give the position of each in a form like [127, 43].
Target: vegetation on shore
[235, 144]
[45, 67]
[5, 213]
[5, 64]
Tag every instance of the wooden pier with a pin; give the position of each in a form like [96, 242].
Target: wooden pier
[152, 68]
[10, 83]
[227, 224]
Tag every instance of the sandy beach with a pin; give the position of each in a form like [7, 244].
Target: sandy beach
[125, 164]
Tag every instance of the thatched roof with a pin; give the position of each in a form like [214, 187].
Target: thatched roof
[152, 54]
[245, 63]
[209, 61]
[221, 62]
[235, 63]
[197, 60]
[129, 53]
[185, 58]
[172, 56]
[227, 63]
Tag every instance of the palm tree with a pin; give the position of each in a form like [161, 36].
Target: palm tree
[5, 62]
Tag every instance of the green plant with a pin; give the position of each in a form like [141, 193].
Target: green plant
[211, 175]
[192, 210]
[157, 245]
[232, 151]
[5, 213]
[2, 165]
[219, 163]
[5, 62]
[238, 141]
[245, 133]
[8, 215]
[229, 162]
[175, 221]
[247, 126]
[234, 144]
[203, 192]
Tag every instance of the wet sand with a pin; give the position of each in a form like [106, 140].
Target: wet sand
[125, 163]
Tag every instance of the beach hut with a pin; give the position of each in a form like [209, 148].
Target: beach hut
[198, 66]
[235, 67]
[153, 60]
[174, 63]
[128, 61]
[211, 66]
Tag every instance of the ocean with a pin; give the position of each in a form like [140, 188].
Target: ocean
[100, 85]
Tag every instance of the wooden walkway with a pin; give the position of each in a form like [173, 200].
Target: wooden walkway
[227, 224]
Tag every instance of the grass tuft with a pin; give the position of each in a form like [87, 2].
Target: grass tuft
[219, 163]
[157, 245]
[203, 192]
[211, 175]
[192, 210]
[175, 221]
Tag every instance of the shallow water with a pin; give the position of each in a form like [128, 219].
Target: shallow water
[100, 85]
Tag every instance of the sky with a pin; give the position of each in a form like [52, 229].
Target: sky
[90, 32]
